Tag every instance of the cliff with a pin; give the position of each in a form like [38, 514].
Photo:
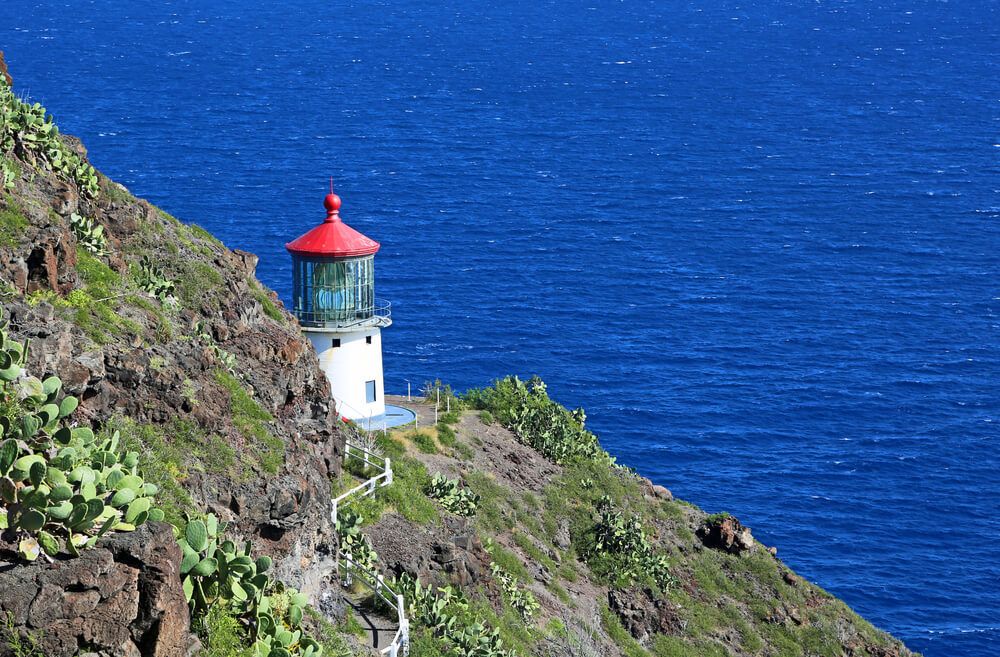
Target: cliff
[211, 381]
[507, 526]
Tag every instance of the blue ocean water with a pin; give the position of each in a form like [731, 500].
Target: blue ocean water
[758, 241]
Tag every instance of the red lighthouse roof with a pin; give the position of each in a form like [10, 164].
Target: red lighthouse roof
[333, 238]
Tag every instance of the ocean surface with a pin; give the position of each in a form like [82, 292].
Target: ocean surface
[758, 241]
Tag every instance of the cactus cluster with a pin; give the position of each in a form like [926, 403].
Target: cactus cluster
[537, 421]
[89, 234]
[624, 540]
[447, 614]
[30, 132]
[451, 495]
[153, 282]
[227, 359]
[353, 542]
[520, 600]
[217, 572]
[61, 488]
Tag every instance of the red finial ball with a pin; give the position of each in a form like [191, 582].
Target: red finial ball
[332, 203]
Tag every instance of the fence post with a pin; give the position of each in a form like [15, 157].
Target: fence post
[388, 471]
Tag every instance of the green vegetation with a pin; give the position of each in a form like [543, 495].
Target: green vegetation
[150, 279]
[27, 645]
[623, 552]
[449, 617]
[60, 487]
[520, 600]
[12, 222]
[454, 498]
[29, 129]
[222, 634]
[424, 442]
[169, 454]
[486, 418]
[252, 421]
[537, 421]
[264, 299]
[89, 234]
[219, 575]
[446, 435]
[331, 636]
[406, 495]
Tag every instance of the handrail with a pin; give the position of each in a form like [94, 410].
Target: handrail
[385, 593]
[401, 640]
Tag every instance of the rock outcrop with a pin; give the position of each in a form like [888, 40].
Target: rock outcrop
[122, 598]
[726, 533]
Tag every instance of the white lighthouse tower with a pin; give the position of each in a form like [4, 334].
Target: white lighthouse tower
[333, 279]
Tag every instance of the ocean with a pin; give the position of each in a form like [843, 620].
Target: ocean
[758, 241]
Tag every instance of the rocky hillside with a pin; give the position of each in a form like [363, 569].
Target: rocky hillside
[565, 553]
[166, 335]
[507, 526]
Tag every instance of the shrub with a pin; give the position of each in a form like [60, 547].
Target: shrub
[537, 421]
[486, 417]
[446, 435]
[458, 500]
[625, 541]
[520, 600]
[424, 442]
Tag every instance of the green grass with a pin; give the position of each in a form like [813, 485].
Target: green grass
[166, 459]
[406, 494]
[486, 418]
[508, 561]
[495, 513]
[446, 435]
[197, 282]
[252, 420]
[222, 635]
[451, 417]
[329, 635]
[424, 442]
[267, 304]
[26, 645]
[13, 223]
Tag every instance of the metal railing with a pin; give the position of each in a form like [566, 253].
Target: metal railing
[400, 644]
[378, 314]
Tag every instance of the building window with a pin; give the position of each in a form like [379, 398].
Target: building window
[368, 339]
[369, 391]
[335, 343]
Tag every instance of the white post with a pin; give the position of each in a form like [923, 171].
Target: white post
[408, 398]
[388, 471]
[448, 402]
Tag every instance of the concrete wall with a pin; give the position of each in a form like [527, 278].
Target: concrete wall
[349, 366]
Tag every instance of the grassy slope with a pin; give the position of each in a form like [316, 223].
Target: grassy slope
[723, 604]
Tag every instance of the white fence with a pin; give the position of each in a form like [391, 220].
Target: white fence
[400, 644]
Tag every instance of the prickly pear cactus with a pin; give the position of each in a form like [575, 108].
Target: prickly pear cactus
[218, 572]
[61, 487]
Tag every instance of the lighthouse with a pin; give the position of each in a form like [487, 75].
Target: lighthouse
[333, 296]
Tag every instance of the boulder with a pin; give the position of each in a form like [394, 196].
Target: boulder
[123, 597]
[725, 533]
[644, 614]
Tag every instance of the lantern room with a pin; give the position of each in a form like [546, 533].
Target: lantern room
[333, 297]
[333, 275]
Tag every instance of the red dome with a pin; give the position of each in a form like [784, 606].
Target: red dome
[333, 238]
